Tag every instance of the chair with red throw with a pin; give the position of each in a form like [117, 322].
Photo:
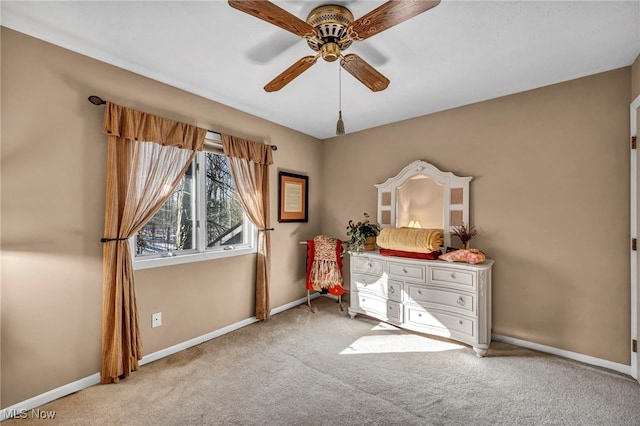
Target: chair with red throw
[324, 267]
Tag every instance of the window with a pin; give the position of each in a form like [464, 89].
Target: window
[202, 219]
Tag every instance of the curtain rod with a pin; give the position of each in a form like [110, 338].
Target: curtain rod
[97, 100]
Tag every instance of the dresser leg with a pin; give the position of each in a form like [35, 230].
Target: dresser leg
[352, 314]
[480, 352]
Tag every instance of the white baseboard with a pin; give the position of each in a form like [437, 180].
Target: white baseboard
[24, 408]
[217, 333]
[598, 362]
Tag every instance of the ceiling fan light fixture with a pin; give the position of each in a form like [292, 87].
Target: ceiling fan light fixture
[330, 51]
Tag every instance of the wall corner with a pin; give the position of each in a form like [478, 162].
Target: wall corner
[635, 78]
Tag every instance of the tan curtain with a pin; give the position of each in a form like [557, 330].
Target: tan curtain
[249, 162]
[146, 158]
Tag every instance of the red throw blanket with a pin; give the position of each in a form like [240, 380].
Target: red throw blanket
[324, 265]
[431, 256]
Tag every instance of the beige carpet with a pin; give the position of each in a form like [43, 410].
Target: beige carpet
[323, 368]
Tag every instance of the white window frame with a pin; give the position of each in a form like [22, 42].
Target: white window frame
[200, 252]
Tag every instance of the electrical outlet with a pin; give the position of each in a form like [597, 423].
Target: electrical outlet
[156, 319]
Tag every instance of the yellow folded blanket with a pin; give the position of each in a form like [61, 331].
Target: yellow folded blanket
[417, 240]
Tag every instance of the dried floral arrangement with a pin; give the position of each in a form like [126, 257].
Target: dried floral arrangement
[465, 233]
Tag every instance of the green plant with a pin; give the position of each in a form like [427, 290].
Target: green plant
[464, 233]
[358, 233]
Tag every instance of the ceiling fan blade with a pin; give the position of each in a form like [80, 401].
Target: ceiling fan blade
[368, 75]
[386, 16]
[269, 12]
[290, 73]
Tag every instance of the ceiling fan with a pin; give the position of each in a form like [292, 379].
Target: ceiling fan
[330, 29]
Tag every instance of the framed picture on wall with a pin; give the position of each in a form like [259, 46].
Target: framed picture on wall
[293, 197]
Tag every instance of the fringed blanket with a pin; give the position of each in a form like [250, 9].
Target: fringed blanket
[324, 265]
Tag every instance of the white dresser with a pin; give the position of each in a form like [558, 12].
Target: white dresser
[451, 300]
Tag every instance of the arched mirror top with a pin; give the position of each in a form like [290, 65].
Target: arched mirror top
[423, 196]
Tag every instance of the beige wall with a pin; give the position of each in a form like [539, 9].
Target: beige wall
[52, 177]
[550, 198]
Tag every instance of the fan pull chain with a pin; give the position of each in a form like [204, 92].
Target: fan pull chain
[340, 124]
[340, 87]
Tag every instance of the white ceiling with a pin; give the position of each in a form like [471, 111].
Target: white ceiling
[458, 53]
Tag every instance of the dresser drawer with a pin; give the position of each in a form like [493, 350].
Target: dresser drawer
[408, 272]
[441, 323]
[452, 277]
[366, 265]
[394, 312]
[442, 299]
[377, 285]
[386, 310]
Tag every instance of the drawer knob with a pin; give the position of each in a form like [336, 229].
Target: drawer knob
[369, 265]
[391, 290]
[419, 315]
[453, 276]
[461, 301]
[364, 284]
[404, 270]
[419, 291]
[390, 308]
[460, 322]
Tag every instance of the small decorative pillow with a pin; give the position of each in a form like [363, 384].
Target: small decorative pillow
[471, 256]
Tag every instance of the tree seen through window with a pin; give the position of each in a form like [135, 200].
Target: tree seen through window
[174, 229]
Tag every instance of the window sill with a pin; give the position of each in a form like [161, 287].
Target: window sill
[158, 262]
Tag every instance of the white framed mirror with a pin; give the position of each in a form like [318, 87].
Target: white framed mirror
[423, 196]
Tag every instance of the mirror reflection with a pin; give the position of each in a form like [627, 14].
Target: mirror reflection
[420, 203]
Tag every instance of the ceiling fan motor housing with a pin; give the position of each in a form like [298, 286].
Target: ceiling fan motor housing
[330, 22]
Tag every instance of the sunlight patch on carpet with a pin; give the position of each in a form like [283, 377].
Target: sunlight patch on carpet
[384, 327]
[397, 343]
